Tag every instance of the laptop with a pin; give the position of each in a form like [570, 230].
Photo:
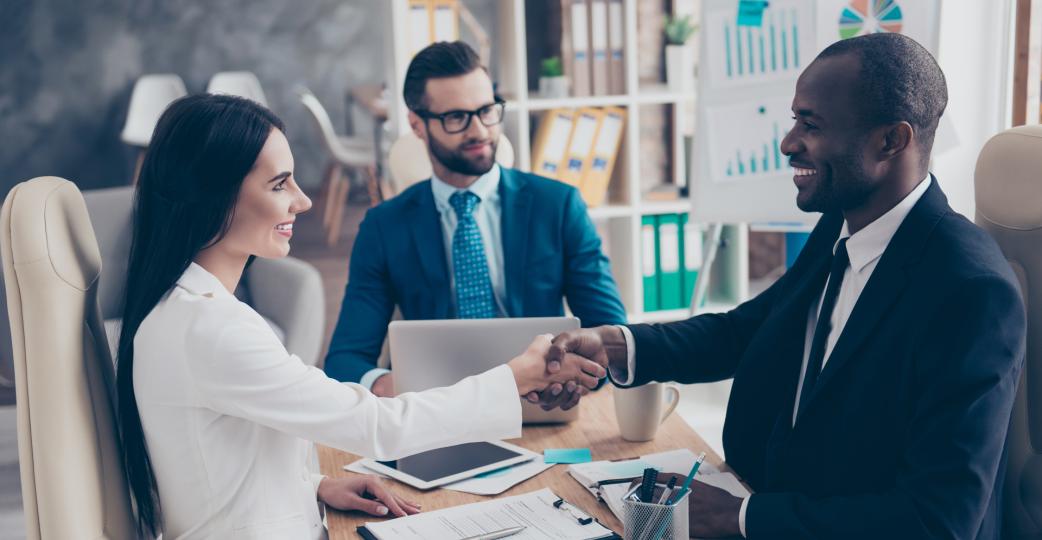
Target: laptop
[435, 353]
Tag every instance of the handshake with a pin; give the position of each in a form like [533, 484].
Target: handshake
[558, 371]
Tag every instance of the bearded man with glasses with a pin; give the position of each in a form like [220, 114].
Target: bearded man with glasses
[476, 240]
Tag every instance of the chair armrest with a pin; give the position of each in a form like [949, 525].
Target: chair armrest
[289, 292]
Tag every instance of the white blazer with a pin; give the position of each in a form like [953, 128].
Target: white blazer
[228, 417]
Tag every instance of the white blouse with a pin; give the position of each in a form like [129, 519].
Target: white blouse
[229, 417]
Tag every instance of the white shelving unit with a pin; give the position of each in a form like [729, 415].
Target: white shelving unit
[620, 218]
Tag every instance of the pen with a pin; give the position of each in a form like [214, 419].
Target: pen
[687, 482]
[614, 481]
[669, 488]
[496, 534]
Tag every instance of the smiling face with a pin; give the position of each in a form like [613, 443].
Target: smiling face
[471, 152]
[829, 145]
[268, 203]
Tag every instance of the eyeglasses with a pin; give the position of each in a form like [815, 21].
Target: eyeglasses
[458, 121]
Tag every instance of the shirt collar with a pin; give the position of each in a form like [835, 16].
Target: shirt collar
[869, 243]
[198, 281]
[486, 187]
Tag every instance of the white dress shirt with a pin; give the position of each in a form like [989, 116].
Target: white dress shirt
[229, 416]
[864, 248]
[487, 216]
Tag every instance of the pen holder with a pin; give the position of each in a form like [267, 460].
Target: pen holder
[650, 521]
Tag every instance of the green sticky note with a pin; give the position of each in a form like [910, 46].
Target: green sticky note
[567, 455]
[750, 12]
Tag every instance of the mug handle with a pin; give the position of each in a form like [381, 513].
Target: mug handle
[673, 402]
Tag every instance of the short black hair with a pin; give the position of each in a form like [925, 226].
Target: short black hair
[437, 61]
[899, 81]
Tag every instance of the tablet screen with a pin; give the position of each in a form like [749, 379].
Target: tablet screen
[435, 464]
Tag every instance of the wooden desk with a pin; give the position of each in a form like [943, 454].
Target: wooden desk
[596, 429]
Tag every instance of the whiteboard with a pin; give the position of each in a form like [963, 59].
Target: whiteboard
[747, 77]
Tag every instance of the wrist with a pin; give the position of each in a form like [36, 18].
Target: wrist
[525, 374]
[615, 347]
[323, 488]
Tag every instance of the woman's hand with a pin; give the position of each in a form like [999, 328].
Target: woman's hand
[366, 493]
[573, 372]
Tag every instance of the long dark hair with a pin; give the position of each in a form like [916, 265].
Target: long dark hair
[202, 149]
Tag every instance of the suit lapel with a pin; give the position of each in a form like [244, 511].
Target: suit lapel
[430, 247]
[886, 284]
[515, 214]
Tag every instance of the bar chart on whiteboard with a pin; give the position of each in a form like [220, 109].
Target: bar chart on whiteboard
[746, 140]
[779, 48]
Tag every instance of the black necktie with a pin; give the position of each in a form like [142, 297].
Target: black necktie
[840, 261]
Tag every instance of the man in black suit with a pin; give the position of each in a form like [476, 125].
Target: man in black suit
[873, 382]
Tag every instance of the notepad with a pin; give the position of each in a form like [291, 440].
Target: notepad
[535, 511]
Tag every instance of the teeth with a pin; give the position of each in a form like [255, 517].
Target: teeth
[804, 172]
[284, 227]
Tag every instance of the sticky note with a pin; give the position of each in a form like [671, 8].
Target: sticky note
[750, 12]
[566, 455]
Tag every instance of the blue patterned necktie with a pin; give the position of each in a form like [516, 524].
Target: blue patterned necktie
[474, 298]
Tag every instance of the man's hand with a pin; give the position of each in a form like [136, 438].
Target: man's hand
[383, 386]
[366, 493]
[531, 375]
[712, 512]
[605, 345]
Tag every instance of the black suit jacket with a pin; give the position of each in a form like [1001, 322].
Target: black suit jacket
[905, 432]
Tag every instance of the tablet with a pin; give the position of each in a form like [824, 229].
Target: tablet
[435, 468]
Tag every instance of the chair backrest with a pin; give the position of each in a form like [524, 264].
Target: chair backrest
[111, 212]
[1008, 190]
[150, 97]
[73, 484]
[237, 83]
[408, 161]
[321, 118]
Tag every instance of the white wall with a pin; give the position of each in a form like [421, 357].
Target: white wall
[975, 38]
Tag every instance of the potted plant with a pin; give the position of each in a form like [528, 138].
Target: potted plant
[680, 59]
[552, 82]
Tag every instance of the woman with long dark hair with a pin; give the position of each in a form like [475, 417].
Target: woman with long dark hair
[216, 416]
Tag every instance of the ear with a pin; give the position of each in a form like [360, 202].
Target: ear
[897, 138]
[419, 128]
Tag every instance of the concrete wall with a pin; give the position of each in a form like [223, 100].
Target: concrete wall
[67, 68]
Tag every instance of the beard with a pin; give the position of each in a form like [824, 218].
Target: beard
[829, 196]
[456, 161]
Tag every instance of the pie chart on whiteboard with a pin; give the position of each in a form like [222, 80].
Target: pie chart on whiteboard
[862, 17]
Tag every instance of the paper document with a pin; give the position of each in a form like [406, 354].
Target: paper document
[490, 483]
[535, 511]
[673, 461]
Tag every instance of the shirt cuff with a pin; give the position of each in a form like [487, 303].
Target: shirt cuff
[741, 516]
[370, 377]
[316, 479]
[626, 379]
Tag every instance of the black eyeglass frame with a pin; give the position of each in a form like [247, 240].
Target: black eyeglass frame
[499, 103]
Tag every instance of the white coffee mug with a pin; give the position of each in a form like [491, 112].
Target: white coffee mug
[640, 410]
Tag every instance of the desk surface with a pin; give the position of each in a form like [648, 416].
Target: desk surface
[596, 429]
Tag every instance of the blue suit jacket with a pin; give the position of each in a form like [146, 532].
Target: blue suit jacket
[905, 430]
[551, 251]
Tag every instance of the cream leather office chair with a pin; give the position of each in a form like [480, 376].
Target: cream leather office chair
[1008, 189]
[72, 478]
